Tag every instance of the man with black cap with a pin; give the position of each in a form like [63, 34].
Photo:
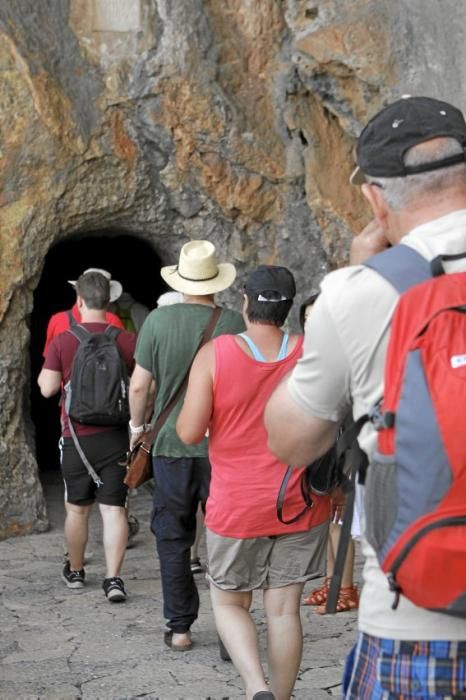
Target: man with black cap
[248, 547]
[411, 169]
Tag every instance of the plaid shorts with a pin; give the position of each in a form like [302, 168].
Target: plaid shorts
[386, 669]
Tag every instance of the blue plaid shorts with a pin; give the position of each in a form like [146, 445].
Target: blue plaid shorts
[387, 669]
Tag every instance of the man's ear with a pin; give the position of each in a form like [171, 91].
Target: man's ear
[79, 302]
[379, 207]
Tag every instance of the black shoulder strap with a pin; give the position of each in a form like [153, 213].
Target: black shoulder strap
[71, 319]
[79, 332]
[281, 499]
[402, 266]
[112, 331]
[358, 462]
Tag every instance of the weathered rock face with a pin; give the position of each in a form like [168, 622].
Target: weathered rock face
[230, 120]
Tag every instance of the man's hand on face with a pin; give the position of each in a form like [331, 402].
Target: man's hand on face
[370, 241]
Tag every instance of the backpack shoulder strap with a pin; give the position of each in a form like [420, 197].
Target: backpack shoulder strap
[112, 332]
[79, 332]
[402, 266]
[71, 319]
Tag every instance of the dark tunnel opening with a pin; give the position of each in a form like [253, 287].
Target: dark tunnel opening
[130, 260]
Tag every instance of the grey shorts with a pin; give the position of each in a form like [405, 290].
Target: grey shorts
[266, 562]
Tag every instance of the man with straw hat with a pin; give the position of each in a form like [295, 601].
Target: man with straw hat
[167, 344]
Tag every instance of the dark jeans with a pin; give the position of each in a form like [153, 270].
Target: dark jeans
[180, 484]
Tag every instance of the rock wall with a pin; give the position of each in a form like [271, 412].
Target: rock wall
[231, 120]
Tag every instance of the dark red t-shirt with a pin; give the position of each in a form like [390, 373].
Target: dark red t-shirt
[59, 358]
[60, 322]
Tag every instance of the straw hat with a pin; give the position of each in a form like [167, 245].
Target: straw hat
[198, 271]
[116, 288]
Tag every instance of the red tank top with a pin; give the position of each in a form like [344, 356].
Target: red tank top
[246, 476]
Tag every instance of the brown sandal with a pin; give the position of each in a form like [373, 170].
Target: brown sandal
[319, 595]
[348, 599]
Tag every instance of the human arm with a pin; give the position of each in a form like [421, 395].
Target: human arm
[303, 414]
[150, 402]
[294, 436]
[49, 382]
[195, 414]
[370, 241]
[50, 333]
[51, 376]
[139, 396]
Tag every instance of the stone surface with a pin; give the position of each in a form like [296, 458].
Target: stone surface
[57, 643]
[175, 120]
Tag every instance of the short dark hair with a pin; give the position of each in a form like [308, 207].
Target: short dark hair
[94, 288]
[270, 313]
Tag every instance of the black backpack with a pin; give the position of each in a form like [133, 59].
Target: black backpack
[97, 391]
[327, 472]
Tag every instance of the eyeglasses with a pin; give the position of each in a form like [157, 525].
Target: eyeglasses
[376, 184]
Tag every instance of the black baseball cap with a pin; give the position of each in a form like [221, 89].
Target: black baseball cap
[271, 278]
[401, 125]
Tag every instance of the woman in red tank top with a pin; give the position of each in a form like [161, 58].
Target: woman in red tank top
[248, 547]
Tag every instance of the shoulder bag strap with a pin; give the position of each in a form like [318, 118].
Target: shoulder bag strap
[358, 461]
[90, 469]
[281, 499]
[150, 436]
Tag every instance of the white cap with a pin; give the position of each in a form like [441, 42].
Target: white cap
[116, 288]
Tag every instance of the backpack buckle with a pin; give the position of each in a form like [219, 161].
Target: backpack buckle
[381, 420]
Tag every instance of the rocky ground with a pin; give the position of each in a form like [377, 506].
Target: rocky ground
[62, 644]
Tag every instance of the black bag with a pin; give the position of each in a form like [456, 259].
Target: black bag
[319, 477]
[97, 391]
[325, 473]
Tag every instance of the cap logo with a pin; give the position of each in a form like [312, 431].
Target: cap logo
[443, 113]
[397, 123]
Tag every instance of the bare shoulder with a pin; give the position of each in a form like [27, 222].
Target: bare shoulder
[205, 356]
[294, 340]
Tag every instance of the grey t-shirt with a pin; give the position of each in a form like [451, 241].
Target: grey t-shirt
[166, 346]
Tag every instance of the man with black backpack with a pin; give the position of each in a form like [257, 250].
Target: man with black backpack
[62, 320]
[90, 364]
[389, 336]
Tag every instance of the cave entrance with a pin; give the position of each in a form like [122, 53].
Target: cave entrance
[130, 260]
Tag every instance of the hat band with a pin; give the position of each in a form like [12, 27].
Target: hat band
[436, 165]
[197, 279]
[358, 177]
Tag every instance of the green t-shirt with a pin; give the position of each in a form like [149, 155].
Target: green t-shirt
[165, 347]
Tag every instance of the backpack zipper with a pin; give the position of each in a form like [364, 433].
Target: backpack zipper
[445, 522]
